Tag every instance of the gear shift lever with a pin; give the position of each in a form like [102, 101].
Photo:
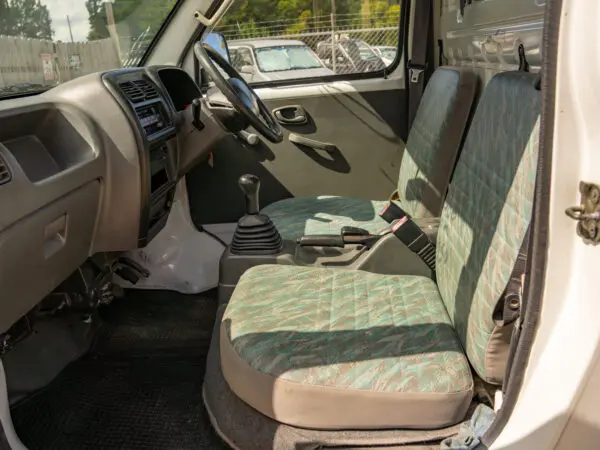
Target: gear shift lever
[250, 184]
[255, 234]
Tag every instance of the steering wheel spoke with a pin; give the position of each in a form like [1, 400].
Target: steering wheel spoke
[241, 96]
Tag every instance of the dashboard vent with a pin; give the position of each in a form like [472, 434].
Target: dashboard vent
[139, 90]
[5, 175]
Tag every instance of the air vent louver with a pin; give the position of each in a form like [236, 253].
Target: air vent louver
[5, 175]
[139, 90]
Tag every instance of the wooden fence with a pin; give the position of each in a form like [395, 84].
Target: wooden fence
[48, 63]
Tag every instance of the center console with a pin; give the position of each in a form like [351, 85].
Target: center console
[148, 109]
[405, 247]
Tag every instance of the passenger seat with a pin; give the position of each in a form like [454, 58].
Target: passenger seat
[432, 147]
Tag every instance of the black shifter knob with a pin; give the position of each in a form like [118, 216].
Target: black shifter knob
[250, 184]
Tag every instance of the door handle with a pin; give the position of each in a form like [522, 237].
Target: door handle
[291, 115]
[55, 236]
[316, 145]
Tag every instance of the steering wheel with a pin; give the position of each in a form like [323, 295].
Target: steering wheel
[241, 96]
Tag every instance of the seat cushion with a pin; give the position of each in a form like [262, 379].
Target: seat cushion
[295, 217]
[340, 349]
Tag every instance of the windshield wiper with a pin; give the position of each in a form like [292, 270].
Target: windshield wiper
[303, 67]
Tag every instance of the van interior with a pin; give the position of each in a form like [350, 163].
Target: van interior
[188, 260]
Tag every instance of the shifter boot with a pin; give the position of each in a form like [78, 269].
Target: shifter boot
[255, 234]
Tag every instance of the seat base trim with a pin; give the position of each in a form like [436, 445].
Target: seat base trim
[328, 408]
[241, 426]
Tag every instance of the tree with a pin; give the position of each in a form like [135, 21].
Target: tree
[5, 22]
[136, 15]
[287, 15]
[97, 19]
[25, 18]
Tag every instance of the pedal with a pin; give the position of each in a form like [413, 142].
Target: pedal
[124, 261]
[128, 274]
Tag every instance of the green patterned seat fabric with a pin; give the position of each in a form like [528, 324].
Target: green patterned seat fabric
[301, 216]
[330, 334]
[486, 215]
[427, 162]
[434, 141]
[334, 348]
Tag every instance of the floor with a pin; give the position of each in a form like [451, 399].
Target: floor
[139, 387]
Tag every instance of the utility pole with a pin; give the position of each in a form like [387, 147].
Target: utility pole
[110, 24]
[70, 30]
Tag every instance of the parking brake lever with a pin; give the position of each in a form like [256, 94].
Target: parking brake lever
[354, 231]
[321, 240]
[338, 240]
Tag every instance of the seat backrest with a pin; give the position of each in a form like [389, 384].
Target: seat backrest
[486, 214]
[435, 140]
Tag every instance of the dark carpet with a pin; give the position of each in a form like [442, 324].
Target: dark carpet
[140, 386]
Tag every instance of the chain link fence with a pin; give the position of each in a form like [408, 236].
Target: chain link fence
[380, 37]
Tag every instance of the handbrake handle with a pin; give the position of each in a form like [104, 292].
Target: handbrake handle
[321, 240]
[337, 240]
[354, 231]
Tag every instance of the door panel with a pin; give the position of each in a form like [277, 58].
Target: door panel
[349, 143]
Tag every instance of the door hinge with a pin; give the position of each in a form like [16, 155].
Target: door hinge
[587, 214]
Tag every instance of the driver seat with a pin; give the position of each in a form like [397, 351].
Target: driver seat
[431, 151]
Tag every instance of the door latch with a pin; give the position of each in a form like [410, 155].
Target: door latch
[587, 214]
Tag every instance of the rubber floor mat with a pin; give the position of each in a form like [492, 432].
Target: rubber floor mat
[140, 387]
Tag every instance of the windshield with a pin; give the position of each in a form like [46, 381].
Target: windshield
[277, 59]
[388, 52]
[47, 42]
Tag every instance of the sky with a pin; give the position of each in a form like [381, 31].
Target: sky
[75, 9]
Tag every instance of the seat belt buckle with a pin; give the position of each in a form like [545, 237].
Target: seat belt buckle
[392, 212]
[415, 239]
[415, 71]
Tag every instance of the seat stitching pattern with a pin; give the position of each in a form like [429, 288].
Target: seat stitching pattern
[408, 345]
[488, 209]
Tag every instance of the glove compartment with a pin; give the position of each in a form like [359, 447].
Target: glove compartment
[42, 249]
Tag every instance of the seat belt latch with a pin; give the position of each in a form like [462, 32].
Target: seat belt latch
[392, 212]
[415, 71]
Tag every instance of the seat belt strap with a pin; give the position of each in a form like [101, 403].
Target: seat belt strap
[508, 308]
[418, 62]
[514, 292]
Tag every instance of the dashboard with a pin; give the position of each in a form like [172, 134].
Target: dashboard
[91, 166]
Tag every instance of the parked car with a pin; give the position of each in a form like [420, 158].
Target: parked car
[275, 59]
[351, 56]
[387, 53]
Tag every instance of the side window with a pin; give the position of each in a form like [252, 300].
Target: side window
[313, 38]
